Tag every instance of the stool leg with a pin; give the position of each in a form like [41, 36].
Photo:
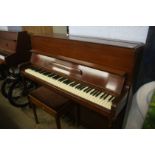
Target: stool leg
[35, 113]
[57, 119]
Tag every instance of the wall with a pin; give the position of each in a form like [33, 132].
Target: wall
[4, 28]
[15, 28]
[129, 33]
[56, 29]
[11, 28]
[60, 29]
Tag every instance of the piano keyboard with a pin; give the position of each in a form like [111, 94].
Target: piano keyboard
[100, 98]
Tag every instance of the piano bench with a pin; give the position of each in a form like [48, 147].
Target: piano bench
[50, 102]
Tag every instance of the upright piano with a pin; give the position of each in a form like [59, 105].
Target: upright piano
[14, 48]
[97, 74]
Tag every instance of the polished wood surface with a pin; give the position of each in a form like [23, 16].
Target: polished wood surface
[9, 35]
[102, 64]
[114, 58]
[82, 73]
[14, 47]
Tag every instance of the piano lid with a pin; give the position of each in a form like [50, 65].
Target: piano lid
[106, 41]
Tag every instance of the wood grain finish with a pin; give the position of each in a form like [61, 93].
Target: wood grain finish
[103, 64]
[97, 78]
[8, 45]
[9, 35]
[94, 55]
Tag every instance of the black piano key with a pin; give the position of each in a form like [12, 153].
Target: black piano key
[63, 78]
[60, 78]
[86, 89]
[106, 96]
[77, 86]
[50, 75]
[37, 69]
[110, 98]
[98, 93]
[93, 92]
[103, 95]
[46, 73]
[74, 84]
[82, 87]
[32, 67]
[41, 71]
[56, 77]
[69, 82]
[89, 90]
[66, 81]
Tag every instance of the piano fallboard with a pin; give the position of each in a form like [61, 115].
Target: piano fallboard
[103, 79]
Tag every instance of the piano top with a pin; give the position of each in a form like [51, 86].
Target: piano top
[7, 35]
[113, 42]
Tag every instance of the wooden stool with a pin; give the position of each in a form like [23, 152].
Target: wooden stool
[50, 102]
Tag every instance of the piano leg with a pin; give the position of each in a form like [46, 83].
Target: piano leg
[110, 123]
[77, 115]
[35, 113]
[57, 119]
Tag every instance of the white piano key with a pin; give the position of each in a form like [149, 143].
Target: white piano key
[72, 89]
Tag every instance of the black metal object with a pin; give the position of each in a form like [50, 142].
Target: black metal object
[147, 68]
[16, 89]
